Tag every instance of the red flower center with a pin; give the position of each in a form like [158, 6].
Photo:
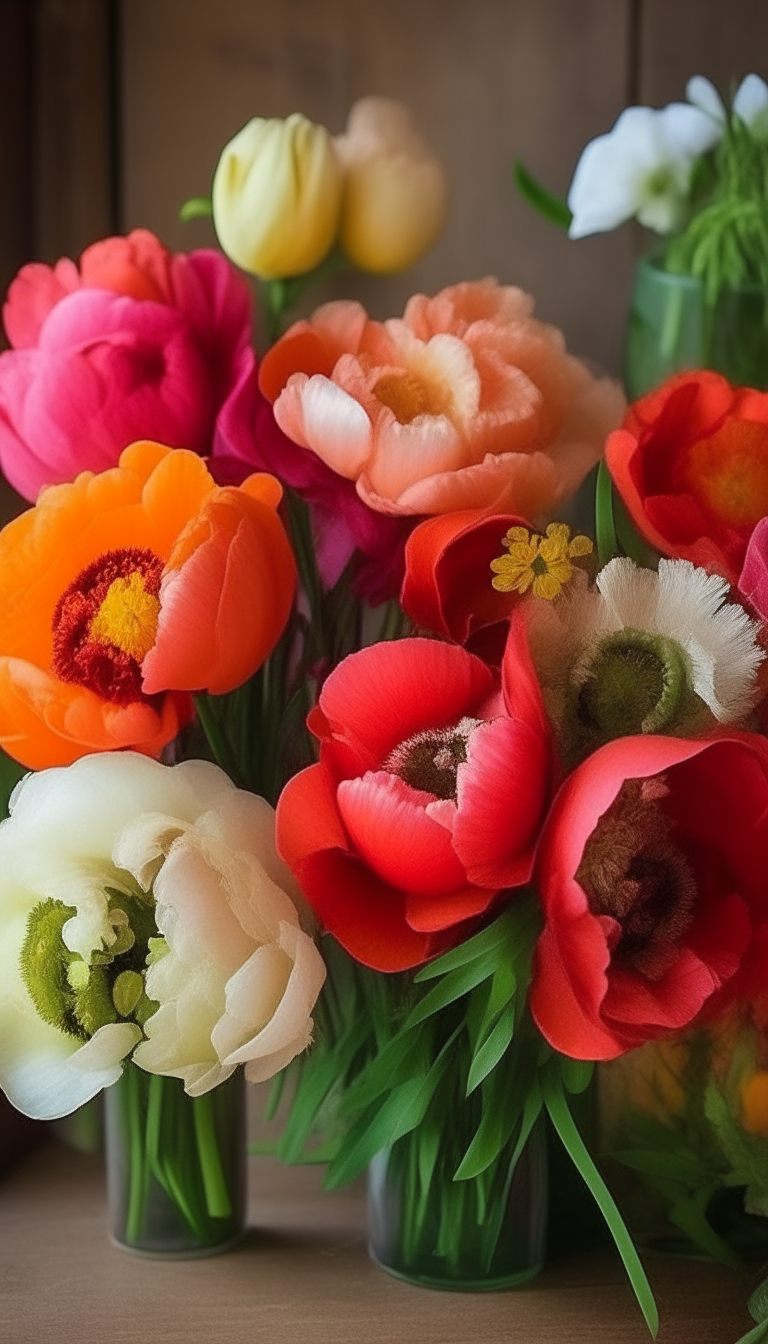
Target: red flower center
[632, 872]
[105, 623]
[430, 760]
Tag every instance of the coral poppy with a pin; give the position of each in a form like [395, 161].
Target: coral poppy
[467, 402]
[691, 465]
[651, 871]
[135, 341]
[122, 590]
[432, 785]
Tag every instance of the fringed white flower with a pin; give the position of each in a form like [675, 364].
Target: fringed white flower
[675, 626]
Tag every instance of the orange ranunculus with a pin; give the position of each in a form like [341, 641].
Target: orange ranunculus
[466, 402]
[125, 590]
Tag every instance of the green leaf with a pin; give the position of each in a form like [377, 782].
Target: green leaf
[197, 207]
[320, 1069]
[492, 1229]
[451, 987]
[551, 207]
[400, 1059]
[10, 774]
[758, 1335]
[605, 532]
[575, 1073]
[674, 1164]
[483, 1015]
[560, 1115]
[491, 1051]
[479, 946]
[690, 1215]
[758, 1302]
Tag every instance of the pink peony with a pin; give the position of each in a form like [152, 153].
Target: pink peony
[137, 342]
[466, 402]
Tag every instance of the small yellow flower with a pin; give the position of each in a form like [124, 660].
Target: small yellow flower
[541, 563]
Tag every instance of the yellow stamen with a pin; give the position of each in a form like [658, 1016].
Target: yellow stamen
[542, 563]
[408, 396]
[127, 617]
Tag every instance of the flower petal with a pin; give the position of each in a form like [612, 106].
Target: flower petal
[391, 831]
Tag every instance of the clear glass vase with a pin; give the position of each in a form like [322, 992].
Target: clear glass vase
[684, 1139]
[176, 1165]
[671, 327]
[478, 1235]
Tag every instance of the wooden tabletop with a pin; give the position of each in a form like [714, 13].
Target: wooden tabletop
[302, 1276]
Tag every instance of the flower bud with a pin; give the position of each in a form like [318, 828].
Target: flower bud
[276, 196]
[395, 190]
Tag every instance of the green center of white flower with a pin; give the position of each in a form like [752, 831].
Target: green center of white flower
[631, 682]
[79, 997]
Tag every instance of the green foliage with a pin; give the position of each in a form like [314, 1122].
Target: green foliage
[10, 774]
[549, 206]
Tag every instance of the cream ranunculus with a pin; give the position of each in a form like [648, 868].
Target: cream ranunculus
[395, 190]
[115, 864]
[276, 196]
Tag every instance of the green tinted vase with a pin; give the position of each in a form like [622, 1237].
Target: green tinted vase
[478, 1235]
[176, 1165]
[671, 327]
[684, 1139]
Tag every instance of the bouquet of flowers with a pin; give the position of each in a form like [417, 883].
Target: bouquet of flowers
[525, 829]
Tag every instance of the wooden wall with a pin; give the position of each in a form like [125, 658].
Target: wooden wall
[114, 111]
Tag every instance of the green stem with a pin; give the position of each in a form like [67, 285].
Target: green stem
[214, 1181]
[605, 531]
[137, 1181]
[217, 740]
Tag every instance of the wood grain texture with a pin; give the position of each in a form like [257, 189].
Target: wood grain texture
[680, 38]
[74, 150]
[488, 81]
[302, 1276]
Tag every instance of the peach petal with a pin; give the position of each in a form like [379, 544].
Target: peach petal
[317, 414]
[506, 483]
[403, 454]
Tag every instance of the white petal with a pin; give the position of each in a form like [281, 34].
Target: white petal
[605, 188]
[688, 131]
[751, 104]
[333, 424]
[702, 93]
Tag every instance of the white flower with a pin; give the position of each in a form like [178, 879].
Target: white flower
[681, 604]
[641, 169]
[181, 844]
[750, 102]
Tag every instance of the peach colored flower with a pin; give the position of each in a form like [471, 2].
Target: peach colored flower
[467, 401]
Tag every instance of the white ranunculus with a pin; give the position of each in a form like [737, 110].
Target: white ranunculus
[239, 979]
[641, 169]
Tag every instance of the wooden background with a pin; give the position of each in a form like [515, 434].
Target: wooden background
[114, 111]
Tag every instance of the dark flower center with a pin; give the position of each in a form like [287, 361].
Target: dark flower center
[632, 871]
[430, 760]
[632, 682]
[105, 623]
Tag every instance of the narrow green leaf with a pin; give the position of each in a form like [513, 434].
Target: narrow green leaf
[575, 1073]
[10, 774]
[551, 207]
[197, 207]
[479, 946]
[451, 987]
[501, 992]
[320, 1069]
[491, 1051]
[492, 1230]
[758, 1302]
[675, 1165]
[690, 1215]
[400, 1059]
[557, 1106]
[502, 1107]
[605, 532]
[758, 1335]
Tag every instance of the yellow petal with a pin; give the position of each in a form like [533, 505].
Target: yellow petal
[516, 534]
[580, 545]
[546, 585]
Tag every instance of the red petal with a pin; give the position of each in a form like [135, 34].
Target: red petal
[569, 984]
[390, 830]
[384, 694]
[503, 791]
[366, 915]
[429, 914]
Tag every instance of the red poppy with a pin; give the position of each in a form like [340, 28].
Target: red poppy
[432, 785]
[691, 465]
[651, 871]
[447, 586]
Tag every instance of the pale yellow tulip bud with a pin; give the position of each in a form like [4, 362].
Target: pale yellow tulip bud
[277, 195]
[395, 190]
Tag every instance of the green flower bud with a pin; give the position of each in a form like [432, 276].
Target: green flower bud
[44, 964]
[127, 991]
[632, 682]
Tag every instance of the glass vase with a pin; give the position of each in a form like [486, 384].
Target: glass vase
[477, 1235]
[671, 327]
[684, 1139]
[176, 1165]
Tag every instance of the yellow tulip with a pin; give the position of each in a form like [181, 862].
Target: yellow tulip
[276, 196]
[395, 190]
